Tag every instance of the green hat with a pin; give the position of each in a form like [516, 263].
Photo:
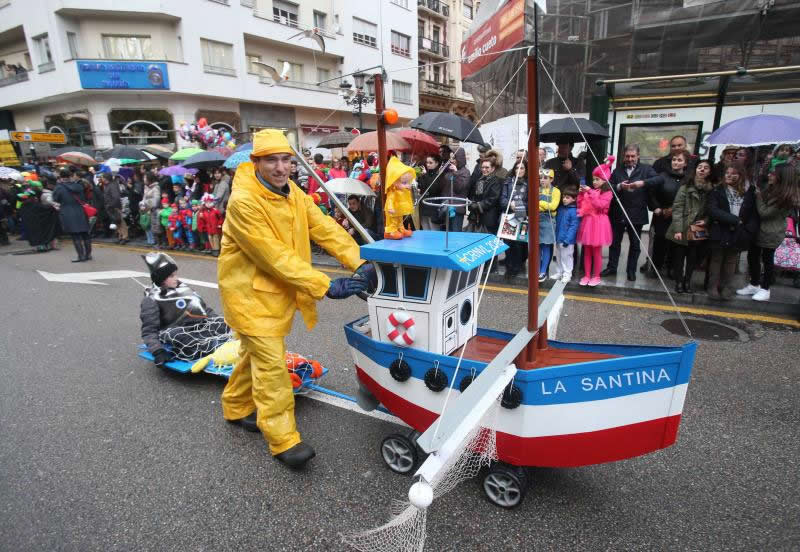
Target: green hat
[773, 164]
[196, 202]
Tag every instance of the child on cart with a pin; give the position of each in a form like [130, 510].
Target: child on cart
[176, 322]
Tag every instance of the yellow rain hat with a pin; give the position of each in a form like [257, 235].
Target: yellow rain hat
[270, 141]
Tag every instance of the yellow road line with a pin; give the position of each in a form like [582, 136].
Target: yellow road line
[503, 289]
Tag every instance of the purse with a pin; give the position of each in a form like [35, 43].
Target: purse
[88, 210]
[697, 233]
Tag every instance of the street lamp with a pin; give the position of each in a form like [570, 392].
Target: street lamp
[358, 98]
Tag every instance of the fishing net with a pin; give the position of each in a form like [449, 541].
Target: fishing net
[406, 531]
[196, 341]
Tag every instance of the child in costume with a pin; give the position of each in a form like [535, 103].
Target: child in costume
[175, 317]
[175, 226]
[567, 222]
[594, 231]
[212, 223]
[399, 202]
[163, 215]
[549, 200]
[198, 241]
[187, 218]
[144, 222]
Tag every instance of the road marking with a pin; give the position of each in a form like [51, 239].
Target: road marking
[351, 406]
[90, 277]
[585, 298]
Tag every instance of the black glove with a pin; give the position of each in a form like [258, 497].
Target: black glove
[160, 358]
[342, 288]
[367, 273]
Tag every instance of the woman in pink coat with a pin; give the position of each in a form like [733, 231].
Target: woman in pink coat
[594, 232]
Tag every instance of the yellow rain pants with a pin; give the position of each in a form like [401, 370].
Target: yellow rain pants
[260, 382]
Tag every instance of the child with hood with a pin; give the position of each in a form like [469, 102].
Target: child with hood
[399, 202]
[567, 222]
[594, 231]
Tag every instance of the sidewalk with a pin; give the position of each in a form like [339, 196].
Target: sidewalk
[784, 300]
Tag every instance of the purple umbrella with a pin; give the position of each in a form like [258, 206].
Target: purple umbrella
[758, 130]
[176, 170]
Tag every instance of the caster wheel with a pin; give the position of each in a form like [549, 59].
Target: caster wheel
[399, 453]
[505, 485]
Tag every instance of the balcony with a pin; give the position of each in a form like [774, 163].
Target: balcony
[434, 88]
[432, 47]
[434, 7]
[14, 79]
[227, 71]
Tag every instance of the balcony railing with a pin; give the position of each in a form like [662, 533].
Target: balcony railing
[14, 79]
[435, 6]
[229, 71]
[436, 88]
[249, 3]
[426, 45]
[45, 67]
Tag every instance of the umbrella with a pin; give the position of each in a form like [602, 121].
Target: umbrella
[369, 142]
[570, 129]
[421, 142]
[129, 161]
[447, 124]
[185, 153]
[237, 159]
[88, 150]
[111, 165]
[77, 158]
[7, 173]
[348, 186]
[758, 130]
[336, 140]
[176, 170]
[224, 152]
[158, 150]
[125, 152]
[204, 160]
[244, 147]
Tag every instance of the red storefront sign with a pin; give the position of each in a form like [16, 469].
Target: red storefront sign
[503, 30]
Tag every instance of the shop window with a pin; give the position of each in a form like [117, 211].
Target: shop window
[74, 125]
[127, 47]
[141, 126]
[389, 273]
[415, 282]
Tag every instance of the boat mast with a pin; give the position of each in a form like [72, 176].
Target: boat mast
[380, 127]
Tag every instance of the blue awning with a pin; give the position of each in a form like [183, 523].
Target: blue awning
[465, 250]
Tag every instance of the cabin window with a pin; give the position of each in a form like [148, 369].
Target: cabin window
[473, 275]
[451, 288]
[462, 280]
[415, 282]
[389, 279]
[466, 312]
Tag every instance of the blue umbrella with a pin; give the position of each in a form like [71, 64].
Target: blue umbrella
[237, 159]
[758, 130]
[244, 147]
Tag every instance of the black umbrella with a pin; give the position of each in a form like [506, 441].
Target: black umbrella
[447, 124]
[336, 140]
[204, 160]
[125, 152]
[567, 130]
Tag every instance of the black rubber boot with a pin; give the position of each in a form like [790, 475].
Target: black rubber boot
[687, 285]
[248, 422]
[77, 241]
[87, 248]
[297, 456]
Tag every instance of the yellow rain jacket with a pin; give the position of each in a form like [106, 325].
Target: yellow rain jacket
[398, 201]
[264, 268]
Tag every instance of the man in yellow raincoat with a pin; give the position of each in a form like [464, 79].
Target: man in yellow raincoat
[399, 202]
[265, 275]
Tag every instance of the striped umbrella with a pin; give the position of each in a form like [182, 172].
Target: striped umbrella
[77, 158]
[237, 159]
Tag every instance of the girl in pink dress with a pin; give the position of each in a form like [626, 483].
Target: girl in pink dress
[595, 230]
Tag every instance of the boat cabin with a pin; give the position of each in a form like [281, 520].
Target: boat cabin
[428, 288]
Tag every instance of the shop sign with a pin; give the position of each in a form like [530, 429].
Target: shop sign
[502, 31]
[8, 156]
[123, 75]
[44, 137]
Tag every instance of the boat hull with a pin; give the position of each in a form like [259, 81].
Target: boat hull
[625, 405]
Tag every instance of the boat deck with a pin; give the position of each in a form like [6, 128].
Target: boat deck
[484, 348]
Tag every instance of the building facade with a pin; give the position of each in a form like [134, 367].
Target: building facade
[441, 26]
[109, 72]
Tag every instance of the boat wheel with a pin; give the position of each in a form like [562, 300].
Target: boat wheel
[400, 370]
[399, 453]
[505, 485]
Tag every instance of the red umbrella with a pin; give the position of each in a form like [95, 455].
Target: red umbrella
[77, 158]
[421, 142]
[369, 142]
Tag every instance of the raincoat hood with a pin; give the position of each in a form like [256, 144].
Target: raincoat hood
[394, 170]
[461, 158]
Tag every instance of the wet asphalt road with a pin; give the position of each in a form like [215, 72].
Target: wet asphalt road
[101, 451]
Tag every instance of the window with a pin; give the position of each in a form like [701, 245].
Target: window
[365, 32]
[389, 279]
[43, 49]
[401, 92]
[437, 73]
[436, 32]
[295, 70]
[401, 44]
[320, 20]
[451, 288]
[72, 42]
[462, 280]
[252, 67]
[420, 28]
[468, 9]
[415, 282]
[401, 3]
[284, 13]
[127, 47]
[473, 275]
[325, 74]
[217, 57]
